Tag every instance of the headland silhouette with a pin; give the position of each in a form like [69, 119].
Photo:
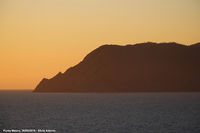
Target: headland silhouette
[144, 67]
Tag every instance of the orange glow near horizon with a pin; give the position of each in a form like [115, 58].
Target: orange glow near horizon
[39, 38]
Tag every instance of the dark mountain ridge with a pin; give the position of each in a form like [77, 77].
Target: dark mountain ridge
[143, 67]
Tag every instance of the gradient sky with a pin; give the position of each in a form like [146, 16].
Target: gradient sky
[39, 38]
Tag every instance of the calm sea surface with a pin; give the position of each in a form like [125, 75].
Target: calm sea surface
[101, 113]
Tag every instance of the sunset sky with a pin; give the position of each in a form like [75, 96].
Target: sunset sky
[39, 38]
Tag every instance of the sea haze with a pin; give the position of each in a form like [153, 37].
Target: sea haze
[101, 112]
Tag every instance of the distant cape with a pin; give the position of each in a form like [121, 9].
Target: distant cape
[144, 67]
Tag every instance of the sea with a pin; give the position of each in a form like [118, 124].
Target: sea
[157, 112]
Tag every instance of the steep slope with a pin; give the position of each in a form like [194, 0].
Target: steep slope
[131, 68]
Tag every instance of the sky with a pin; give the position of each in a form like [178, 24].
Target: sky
[39, 38]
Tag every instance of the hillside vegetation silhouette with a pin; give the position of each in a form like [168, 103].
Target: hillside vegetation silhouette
[144, 67]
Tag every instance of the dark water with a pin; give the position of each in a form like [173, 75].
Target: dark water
[101, 113]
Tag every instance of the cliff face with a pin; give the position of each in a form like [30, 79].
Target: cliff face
[131, 68]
